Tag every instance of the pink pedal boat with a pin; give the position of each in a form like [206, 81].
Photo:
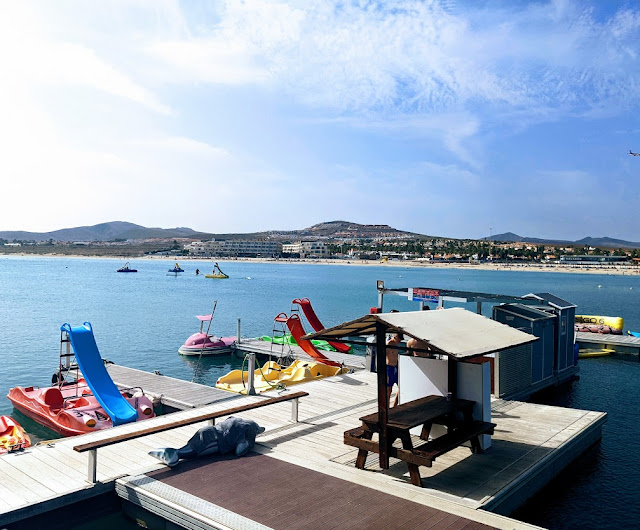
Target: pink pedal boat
[202, 343]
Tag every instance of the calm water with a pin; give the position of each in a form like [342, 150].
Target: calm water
[141, 319]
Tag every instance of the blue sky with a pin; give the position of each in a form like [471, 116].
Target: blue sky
[440, 117]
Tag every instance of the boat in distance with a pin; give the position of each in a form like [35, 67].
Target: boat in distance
[126, 268]
[216, 273]
[176, 269]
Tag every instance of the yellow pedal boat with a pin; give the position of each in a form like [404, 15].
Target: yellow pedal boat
[271, 375]
[589, 352]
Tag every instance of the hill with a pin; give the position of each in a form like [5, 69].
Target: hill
[603, 242]
[101, 232]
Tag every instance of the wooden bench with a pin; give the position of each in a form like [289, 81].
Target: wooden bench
[145, 430]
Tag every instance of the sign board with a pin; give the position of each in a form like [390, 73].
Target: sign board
[418, 294]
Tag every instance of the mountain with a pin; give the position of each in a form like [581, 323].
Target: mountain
[606, 242]
[101, 232]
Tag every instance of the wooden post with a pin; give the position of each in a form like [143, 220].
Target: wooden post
[452, 376]
[294, 410]
[93, 466]
[383, 401]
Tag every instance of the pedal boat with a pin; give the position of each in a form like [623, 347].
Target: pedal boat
[176, 269]
[206, 344]
[12, 436]
[126, 268]
[217, 273]
[71, 409]
[271, 376]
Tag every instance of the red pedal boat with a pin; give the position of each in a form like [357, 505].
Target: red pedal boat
[70, 408]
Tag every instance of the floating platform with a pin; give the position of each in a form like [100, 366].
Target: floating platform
[174, 393]
[531, 445]
[620, 344]
[277, 352]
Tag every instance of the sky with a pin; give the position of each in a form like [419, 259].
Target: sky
[449, 118]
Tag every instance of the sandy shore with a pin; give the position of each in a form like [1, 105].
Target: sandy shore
[627, 270]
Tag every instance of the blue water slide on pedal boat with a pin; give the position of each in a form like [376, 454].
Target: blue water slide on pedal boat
[95, 374]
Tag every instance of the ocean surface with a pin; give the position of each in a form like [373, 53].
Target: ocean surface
[140, 320]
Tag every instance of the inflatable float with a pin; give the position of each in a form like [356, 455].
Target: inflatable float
[12, 436]
[599, 324]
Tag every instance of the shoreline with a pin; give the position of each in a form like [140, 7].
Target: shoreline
[618, 270]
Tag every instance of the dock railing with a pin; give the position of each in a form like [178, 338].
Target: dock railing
[93, 446]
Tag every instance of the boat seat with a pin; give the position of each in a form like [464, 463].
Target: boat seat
[53, 398]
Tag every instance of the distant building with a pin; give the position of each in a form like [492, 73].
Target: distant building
[234, 248]
[589, 259]
[306, 249]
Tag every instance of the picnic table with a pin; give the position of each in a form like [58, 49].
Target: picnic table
[455, 414]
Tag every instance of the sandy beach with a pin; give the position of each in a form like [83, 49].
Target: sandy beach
[626, 270]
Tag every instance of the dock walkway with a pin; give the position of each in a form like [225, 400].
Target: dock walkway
[531, 445]
[173, 392]
[624, 344]
[262, 347]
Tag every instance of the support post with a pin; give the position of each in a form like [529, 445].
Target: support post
[239, 335]
[251, 389]
[93, 466]
[383, 401]
[294, 410]
[452, 376]
[479, 308]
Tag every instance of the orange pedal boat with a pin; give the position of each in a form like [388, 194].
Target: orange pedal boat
[71, 408]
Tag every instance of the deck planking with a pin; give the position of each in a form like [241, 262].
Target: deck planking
[620, 343]
[532, 443]
[173, 392]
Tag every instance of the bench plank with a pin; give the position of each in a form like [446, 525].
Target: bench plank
[447, 442]
[121, 437]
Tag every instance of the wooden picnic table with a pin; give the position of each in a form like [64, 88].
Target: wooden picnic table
[455, 414]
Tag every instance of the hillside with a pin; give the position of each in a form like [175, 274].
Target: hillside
[603, 242]
[101, 232]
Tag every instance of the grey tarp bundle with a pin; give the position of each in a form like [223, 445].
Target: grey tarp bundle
[232, 434]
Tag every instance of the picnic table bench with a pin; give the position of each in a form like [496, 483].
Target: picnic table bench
[455, 414]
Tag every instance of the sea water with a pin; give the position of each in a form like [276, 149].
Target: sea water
[140, 319]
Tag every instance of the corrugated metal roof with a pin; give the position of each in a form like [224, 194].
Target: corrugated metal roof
[455, 332]
[552, 300]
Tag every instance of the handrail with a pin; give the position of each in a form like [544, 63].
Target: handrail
[117, 438]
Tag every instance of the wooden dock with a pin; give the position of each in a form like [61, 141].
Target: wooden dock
[623, 344]
[277, 351]
[532, 444]
[173, 392]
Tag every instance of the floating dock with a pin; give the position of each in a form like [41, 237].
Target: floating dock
[172, 392]
[531, 445]
[622, 344]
